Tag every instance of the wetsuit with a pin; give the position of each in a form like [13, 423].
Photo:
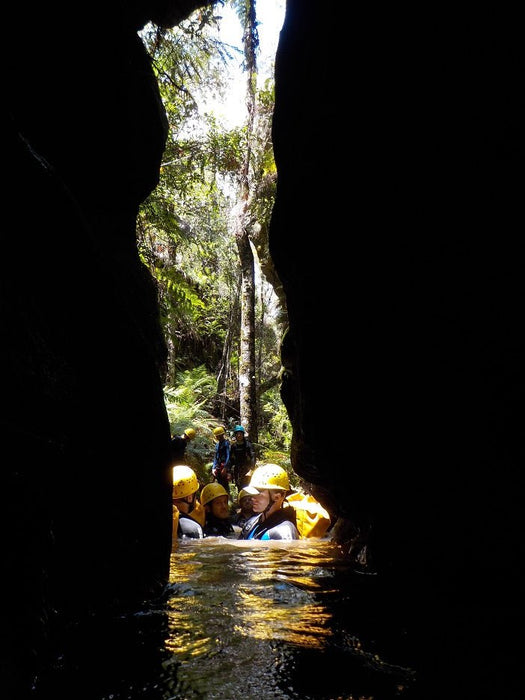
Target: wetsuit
[188, 527]
[217, 527]
[240, 520]
[281, 525]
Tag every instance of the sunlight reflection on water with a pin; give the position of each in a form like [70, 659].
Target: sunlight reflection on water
[251, 619]
[242, 620]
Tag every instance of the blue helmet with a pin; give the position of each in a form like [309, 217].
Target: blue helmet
[238, 429]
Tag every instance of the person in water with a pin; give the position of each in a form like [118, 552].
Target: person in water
[214, 498]
[244, 511]
[274, 518]
[188, 513]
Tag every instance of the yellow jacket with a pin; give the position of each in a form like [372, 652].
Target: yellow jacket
[198, 514]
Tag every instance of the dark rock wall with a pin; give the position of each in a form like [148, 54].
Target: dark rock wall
[85, 480]
[397, 234]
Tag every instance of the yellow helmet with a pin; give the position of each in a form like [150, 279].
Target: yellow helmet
[270, 476]
[218, 431]
[243, 493]
[184, 481]
[211, 491]
[190, 433]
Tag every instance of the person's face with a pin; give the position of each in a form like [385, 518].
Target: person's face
[184, 504]
[261, 500]
[239, 436]
[219, 507]
[246, 504]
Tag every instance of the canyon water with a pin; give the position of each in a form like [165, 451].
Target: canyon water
[240, 620]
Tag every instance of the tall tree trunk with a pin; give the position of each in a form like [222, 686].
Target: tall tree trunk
[247, 383]
[247, 379]
[224, 373]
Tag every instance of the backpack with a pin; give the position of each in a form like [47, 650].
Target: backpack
[312, 519]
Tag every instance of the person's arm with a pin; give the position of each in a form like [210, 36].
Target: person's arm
[215, 464]
[284, 531]
[227, 455]
[189, 528]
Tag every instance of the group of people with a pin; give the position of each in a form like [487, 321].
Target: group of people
[232, 460]
[263, 513]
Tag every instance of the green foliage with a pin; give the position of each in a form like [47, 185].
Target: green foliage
[187, 240]
[179, 292]
[186, 404]
[187, 58]
[225, 149]
[276, 433]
